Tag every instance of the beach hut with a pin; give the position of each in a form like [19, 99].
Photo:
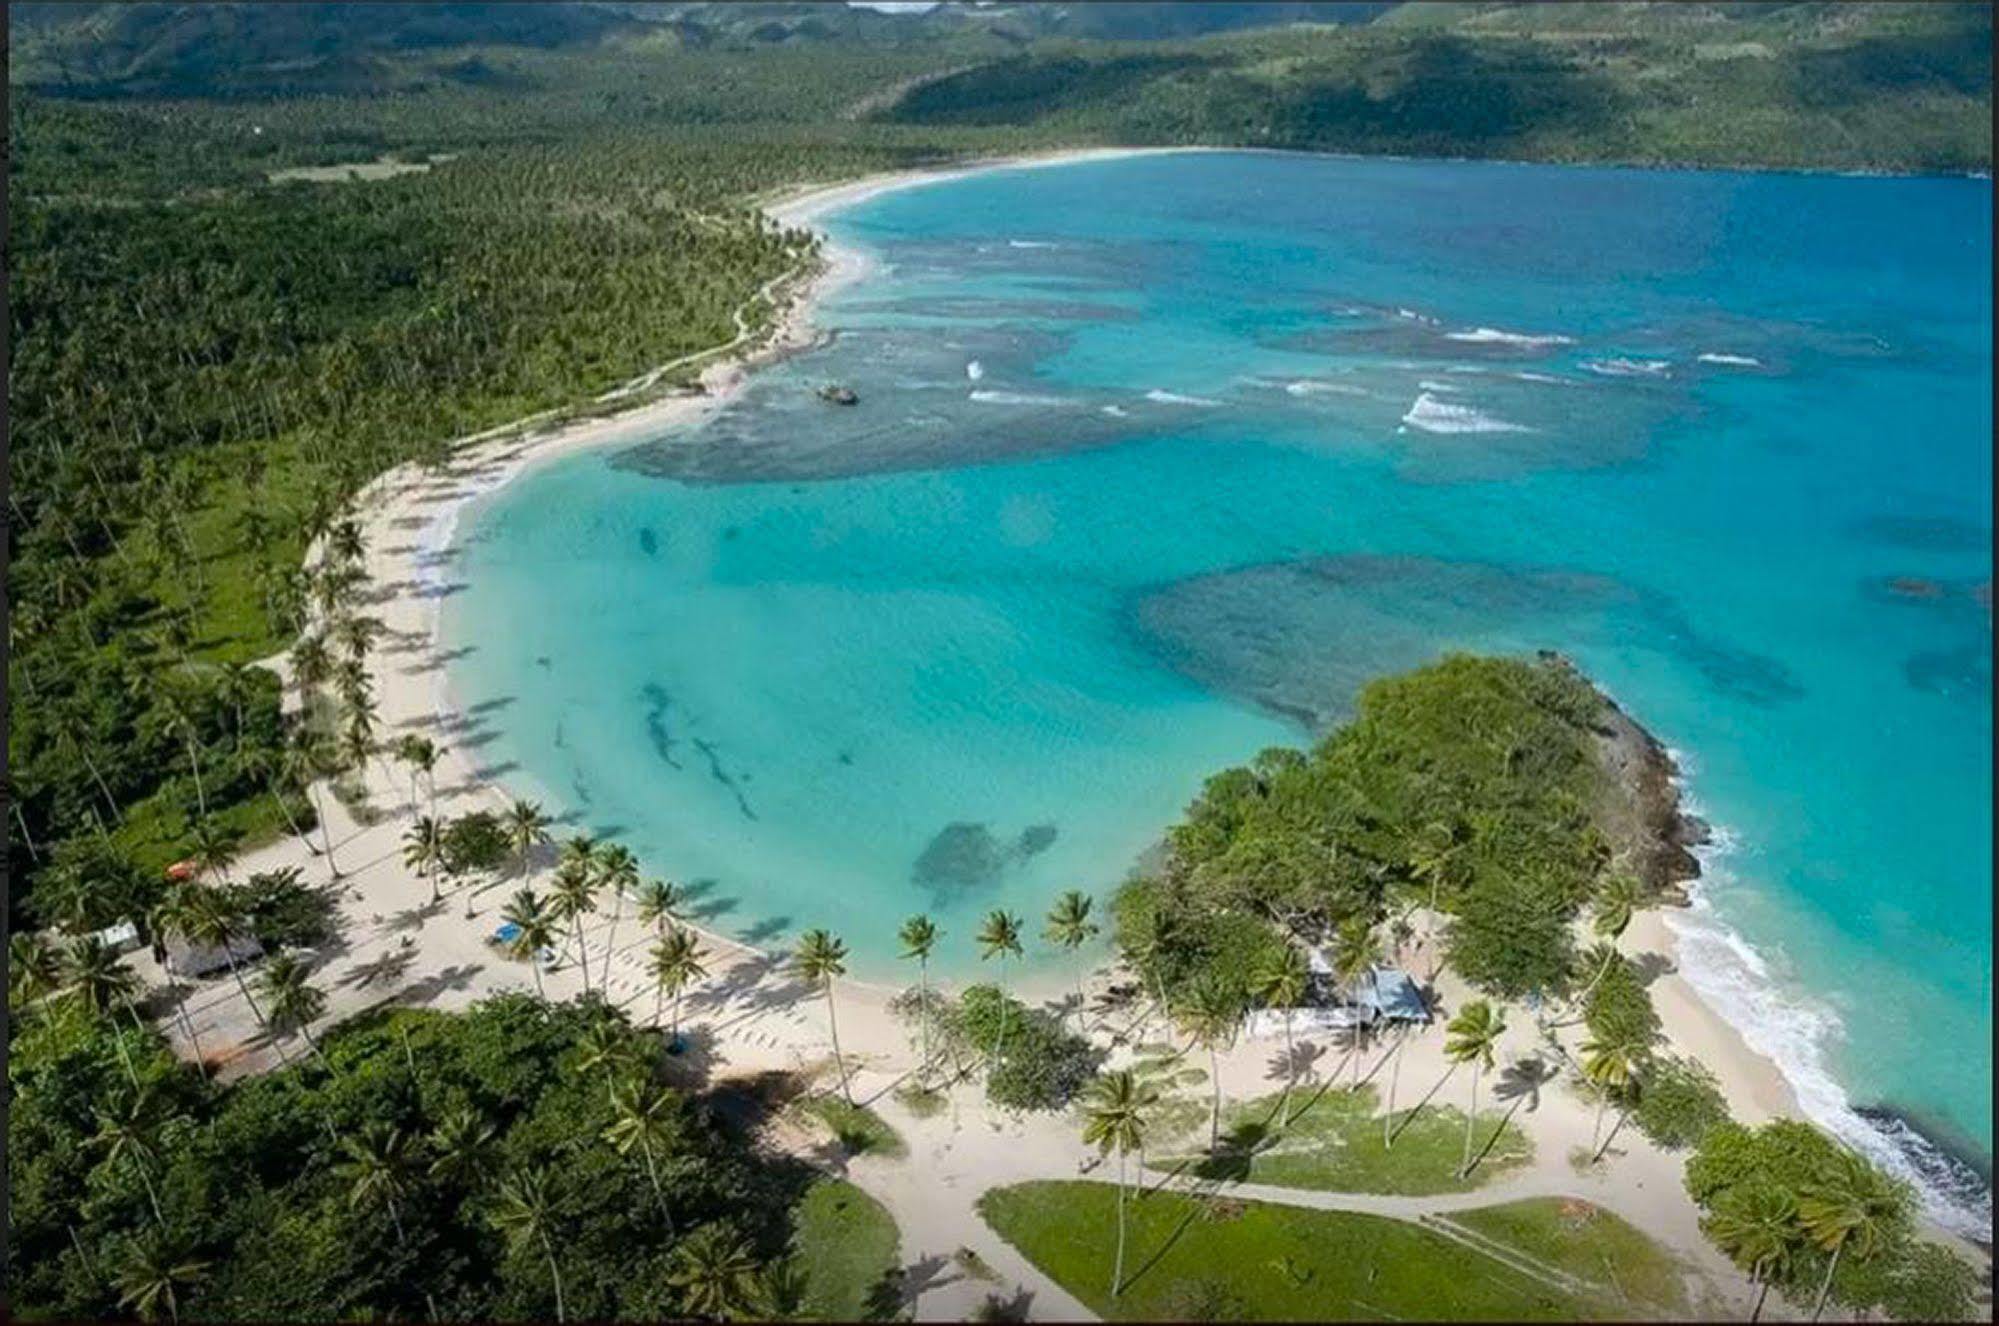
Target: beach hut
[1392, 996]
[185, 959]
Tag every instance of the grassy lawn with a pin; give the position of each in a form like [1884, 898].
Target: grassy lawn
[1335, 1142]
[1591, 1244]
[857, 1128]
[1189, 1259]
[845, 1243]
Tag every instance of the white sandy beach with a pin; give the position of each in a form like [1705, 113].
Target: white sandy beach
[751, 1016]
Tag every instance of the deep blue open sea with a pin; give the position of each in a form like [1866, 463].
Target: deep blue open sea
[1157, 459]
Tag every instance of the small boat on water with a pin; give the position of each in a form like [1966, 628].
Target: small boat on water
[835, 394]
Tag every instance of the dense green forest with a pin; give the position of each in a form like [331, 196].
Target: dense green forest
[518, 1161]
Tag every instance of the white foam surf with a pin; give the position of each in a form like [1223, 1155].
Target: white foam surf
[1620, 367]
[1497, 336]
[975, 370]
[1314, 387]
[1736, 361]
[1030, 244]
[1798, 1033]
[1014, 398]
[1435, 416]
[1175, 398]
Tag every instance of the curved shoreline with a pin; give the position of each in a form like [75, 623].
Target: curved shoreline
[1754, 1082]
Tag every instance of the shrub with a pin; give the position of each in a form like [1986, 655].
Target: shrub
[1619, 1009]
[1039, 1065]
[1679, 1104]
[474, 842]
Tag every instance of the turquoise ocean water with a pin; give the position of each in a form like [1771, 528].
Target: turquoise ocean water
[1158, 458]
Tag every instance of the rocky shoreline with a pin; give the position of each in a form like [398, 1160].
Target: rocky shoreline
[1641, 809]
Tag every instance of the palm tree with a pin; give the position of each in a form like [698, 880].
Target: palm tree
[1757, 1228]
[215, 848]
[1469, 1038]
[423, 850]
[176, 915]
[605, 1045]
[676, 964]
[267, 765]
[1617, 899]
[1853, 1207]
[821, 957]
[648, 1117]
[34, 966]
[1434, 860]
[659, 904]
[378, 1169]
[309, 757]
[1610, 1065]
[715, 1271]
[421, 754]
[1356, 953]
[311, 666]
[522, 1213]
[1115, 1110]
[155, 1269]
[918, 937]
[526, 828]
[97, 978]
[574, 896]
[177, 719]
[999, 937]
[216, 921]
[1210, 1017]
[618, 871]
[129, 1131]
[463, 1142]
[1070, 927]
[534, 931]
[294, 1002]
[1280, 983]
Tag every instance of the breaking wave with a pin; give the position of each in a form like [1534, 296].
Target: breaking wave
[1739, 361]
[975, 370]
[1495, 336]
[1435, 416]
[1175, 398]
[1629, 368]
[1015, 398]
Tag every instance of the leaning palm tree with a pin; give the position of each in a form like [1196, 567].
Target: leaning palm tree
[1280, 983]
[1854, 1209]
[716, 1272]
[1210, 1016]
[378, 1169]
[128, 1131]
[918, 937]
[1617, 900]
[1115, 1110]
[423, 850]
[462, 1145]
[310, 756]
[421, 754]
[176, 916]
[521, 1211]
[1356, 954]
[1470, 1038]
[292, 1002]
[820, 958]
[1610, 1066]
[154, 1271]
[1070, 927]
[617, 871]
[647, 1118]
[214, 848]
[605, 1045]
[573, 896]
[999, 937]
[95, 976]
[534, 931]
[218, 921]
[659, 904]
[676, 964]
[526, 829]
[1757, 1228]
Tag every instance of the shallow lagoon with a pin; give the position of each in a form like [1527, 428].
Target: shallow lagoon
[1157, 459]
